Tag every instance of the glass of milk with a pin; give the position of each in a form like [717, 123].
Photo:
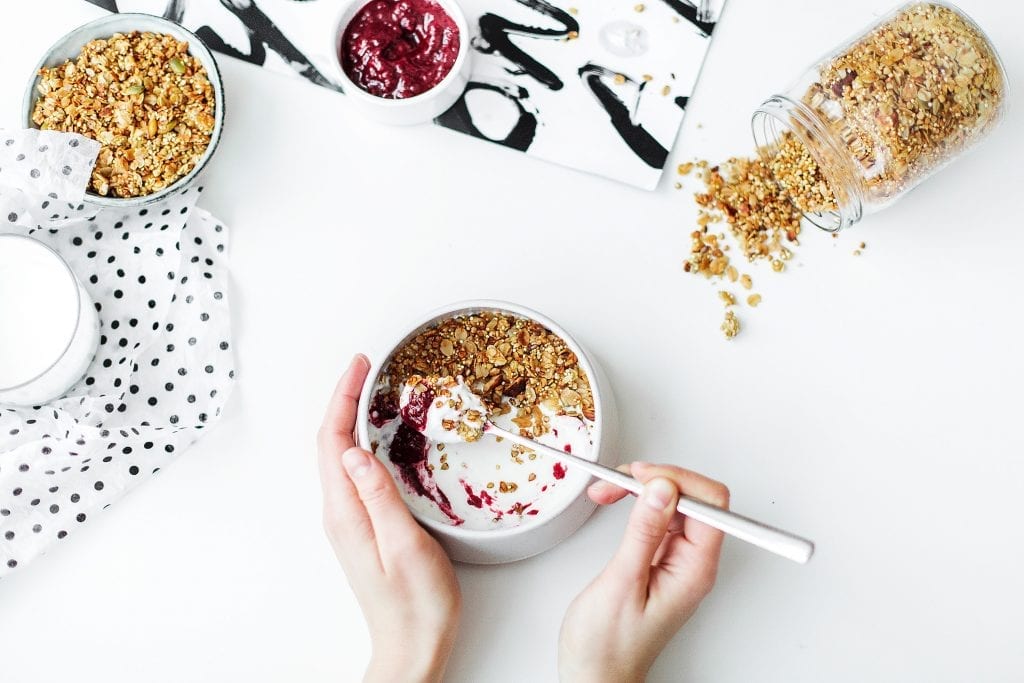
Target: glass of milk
[49, 330]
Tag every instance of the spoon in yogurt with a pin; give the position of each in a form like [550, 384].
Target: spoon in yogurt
[444, 409]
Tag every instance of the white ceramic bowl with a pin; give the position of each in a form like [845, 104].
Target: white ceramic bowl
[497, 546]
[70, 46]
[410, 110]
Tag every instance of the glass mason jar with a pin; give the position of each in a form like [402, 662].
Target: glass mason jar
[888, 108]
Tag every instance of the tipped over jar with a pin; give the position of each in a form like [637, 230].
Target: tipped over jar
[887, 109]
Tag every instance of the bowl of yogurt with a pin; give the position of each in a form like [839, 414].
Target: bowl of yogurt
[486, 500]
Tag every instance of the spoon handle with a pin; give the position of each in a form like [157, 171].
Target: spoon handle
[769, 538]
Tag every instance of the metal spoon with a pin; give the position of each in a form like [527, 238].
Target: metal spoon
[769, 538]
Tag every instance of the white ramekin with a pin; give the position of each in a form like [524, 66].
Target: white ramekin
[410, 110]
[70, 46]
[508, 545]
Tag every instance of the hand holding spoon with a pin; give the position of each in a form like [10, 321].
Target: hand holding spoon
[463, 416]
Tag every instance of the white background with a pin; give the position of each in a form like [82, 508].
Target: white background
[872, 403]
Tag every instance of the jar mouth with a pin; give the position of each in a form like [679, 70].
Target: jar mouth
[780, 115]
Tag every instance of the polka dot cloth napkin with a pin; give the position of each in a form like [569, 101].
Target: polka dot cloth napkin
[164, 367]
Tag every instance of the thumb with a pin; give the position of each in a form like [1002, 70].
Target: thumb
[391, 521]
[646, 529]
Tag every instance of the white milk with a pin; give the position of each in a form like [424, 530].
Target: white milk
[49, 330]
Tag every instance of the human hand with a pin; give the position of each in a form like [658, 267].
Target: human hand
[403, 580]
[665, 565]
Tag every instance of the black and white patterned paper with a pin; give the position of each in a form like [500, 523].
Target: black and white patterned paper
[595, 85]
[164, 367]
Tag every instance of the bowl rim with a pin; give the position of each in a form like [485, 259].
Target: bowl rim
[468, 307]
[347, 12]
[196, 47]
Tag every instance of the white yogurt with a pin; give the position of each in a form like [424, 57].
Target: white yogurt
[452, 411]
[49, 330]
[484, 484]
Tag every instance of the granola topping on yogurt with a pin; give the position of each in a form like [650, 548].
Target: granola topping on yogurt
[433, 398]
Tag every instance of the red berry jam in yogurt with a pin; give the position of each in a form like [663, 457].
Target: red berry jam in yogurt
[399, 48]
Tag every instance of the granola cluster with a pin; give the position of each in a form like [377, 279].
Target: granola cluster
[909, 95]
[513, 364]
[143, 98]
[746, 195]
[461, 415]
[799, 176]
[762, 200]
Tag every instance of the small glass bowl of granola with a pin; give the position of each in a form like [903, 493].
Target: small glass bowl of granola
[489, 501]
[144, 87]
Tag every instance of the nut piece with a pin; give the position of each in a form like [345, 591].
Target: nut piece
[727, 297]
[731, 325]
[753, 300]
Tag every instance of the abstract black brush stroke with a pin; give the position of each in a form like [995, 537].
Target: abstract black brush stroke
[260, 30]
[687, 10]
[495, 37]
[459, 118]
[175, 10]
[643, 144]
[682, 101]
[263, 33]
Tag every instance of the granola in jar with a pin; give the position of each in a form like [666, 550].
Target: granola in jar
[892, 106]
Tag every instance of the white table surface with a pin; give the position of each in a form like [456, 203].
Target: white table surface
[871, 403]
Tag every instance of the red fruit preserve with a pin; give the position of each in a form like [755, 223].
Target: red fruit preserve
[399, 48]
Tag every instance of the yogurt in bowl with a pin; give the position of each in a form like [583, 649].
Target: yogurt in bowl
[487, 500]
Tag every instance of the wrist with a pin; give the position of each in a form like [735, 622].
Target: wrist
[402, 664]
[600, 672]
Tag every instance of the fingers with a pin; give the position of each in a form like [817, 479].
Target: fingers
[394, 529]
[335, 436]
[646, 529]
[348, 526]
[694, 485]
[604, 492]
[340, 419]
[345, 519]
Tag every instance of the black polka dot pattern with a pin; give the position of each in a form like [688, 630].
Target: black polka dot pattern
[43, 178]
[160, 377]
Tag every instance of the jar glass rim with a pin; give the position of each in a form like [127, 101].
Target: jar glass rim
[779, 115]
